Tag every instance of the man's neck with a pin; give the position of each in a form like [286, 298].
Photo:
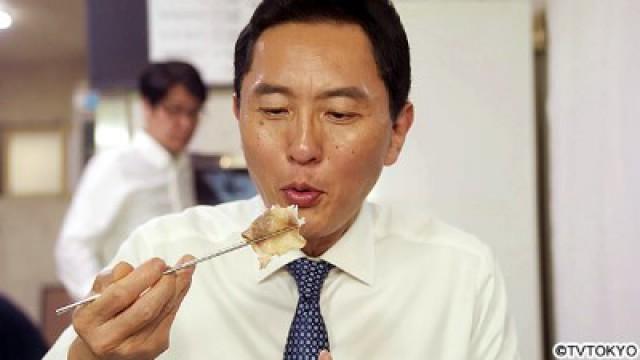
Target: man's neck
[319, 246]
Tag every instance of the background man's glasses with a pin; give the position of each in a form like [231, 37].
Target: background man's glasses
[177, 111]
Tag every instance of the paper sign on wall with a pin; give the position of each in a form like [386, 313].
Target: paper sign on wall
[201, 32]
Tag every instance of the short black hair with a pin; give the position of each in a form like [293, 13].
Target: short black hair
[378, 19]
[158, 78]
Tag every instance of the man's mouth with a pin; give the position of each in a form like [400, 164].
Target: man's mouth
[301, 194]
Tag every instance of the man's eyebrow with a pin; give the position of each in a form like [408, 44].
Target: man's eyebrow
[350, 92]
[267, 89]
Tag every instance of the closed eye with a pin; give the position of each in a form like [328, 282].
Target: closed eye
[274, 112]
[337, 116]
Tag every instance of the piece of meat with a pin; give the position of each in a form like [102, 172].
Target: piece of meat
[272, 220]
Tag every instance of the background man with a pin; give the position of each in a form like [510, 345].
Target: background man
[123, 188]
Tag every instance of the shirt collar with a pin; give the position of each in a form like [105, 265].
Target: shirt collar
[354, 253]
[156, 153]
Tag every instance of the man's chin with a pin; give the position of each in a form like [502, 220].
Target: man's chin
[313, 231]
[308, 233]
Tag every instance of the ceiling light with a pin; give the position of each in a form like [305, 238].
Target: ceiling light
[5, 20]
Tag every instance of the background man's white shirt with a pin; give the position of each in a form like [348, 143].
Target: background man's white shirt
[119, 190]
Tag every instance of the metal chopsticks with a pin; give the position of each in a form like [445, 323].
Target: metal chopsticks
[215, 254]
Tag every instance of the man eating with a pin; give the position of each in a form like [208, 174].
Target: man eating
[321, 100]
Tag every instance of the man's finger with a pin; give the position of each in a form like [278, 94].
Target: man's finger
[146, 310]
[121, 294]
[106, 278]
[183, 283]
[82, 316]
[121, 270]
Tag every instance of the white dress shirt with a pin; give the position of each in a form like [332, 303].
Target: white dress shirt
[119, 190]
[404, 286]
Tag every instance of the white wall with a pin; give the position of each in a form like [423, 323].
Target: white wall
[594, 113]
[217, 131]
[470, 157]
[38, 92]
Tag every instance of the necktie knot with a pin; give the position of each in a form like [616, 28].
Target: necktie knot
[309, 276]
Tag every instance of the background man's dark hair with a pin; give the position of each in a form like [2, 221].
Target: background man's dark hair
[157, 79]
[378, 19]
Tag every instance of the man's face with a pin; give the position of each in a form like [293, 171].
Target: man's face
[315, 124]
[173, 121]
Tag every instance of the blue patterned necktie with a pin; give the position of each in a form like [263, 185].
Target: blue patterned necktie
[307, 335]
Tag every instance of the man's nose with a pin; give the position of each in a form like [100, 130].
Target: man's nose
[305, 140]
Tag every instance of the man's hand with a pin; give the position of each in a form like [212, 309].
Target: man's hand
[324, 355]
[133, 316]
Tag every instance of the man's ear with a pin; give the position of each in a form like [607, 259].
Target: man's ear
[146, 105]
[147, 110]
[400, 128]
[236, 106]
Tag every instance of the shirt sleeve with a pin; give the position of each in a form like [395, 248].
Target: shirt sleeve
[493, 336]
[93, 210]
